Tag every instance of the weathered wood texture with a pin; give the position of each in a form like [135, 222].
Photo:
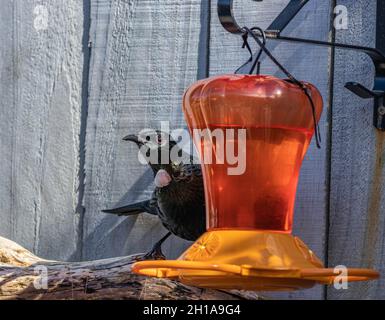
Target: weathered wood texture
[22, 276]
[306, 63]
[357, 207]
[40, 112]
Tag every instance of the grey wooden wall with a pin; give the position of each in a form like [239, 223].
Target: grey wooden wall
[104, 68]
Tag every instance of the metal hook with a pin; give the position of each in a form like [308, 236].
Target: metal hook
[226, 16]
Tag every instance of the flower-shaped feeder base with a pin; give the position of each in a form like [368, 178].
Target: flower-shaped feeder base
[249, 260]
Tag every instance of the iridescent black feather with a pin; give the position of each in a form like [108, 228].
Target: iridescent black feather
[180, 205]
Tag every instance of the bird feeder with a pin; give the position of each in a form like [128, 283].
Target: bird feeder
[270, 122]
[248, 244]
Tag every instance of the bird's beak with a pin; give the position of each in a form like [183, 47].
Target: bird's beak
[133, 138]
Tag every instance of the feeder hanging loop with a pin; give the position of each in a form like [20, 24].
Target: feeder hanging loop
[290, 77]
[253, 62]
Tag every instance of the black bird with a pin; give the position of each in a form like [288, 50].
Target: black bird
[178, 199]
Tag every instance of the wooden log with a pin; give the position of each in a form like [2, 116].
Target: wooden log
[26, 276]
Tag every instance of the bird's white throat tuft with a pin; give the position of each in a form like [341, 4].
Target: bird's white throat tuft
[162, 178]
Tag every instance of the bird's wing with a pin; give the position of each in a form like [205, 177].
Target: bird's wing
[148, 206]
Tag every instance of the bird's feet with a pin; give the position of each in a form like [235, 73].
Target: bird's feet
[154, 254]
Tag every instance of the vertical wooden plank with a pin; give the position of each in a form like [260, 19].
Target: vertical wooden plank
[357, 207]
[7, 74]
[306, 63]
[144, 55]
[40, 88]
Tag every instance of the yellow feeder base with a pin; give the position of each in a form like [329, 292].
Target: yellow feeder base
[248, 260]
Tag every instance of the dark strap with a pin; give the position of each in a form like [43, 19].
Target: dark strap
[288, 74]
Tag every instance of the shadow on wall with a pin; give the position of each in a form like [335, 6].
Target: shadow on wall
[119, 236]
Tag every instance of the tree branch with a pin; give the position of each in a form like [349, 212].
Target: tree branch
[26, 276]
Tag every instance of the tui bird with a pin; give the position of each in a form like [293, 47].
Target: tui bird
[178, 199]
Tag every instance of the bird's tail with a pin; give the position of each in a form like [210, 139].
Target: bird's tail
[132, 209]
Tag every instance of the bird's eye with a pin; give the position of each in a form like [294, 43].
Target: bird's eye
[175, 165]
